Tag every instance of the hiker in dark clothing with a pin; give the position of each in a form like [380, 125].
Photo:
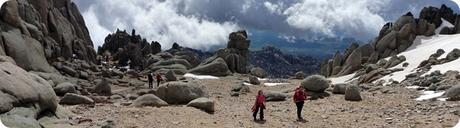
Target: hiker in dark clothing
[299, 98]
[159, 79]
[150, 77]
[259, 105]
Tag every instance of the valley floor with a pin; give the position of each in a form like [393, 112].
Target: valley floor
[381, 107]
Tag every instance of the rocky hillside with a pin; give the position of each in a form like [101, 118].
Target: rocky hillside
[38, 33]
[394, 38]
[280, 65]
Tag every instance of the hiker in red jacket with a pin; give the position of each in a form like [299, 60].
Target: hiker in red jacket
[259, 105]
[299, 98]
[159, 79]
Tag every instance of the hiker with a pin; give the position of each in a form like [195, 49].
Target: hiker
[159, 79]
[259, 105]
[150, 78]
[299, 98]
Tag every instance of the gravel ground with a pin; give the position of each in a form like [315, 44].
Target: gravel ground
[382, 107]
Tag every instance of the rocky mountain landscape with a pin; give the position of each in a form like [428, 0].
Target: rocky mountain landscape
[51, 77]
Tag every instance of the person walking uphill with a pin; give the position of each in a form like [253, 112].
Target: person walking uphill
[150, 78]
[259, 105]
[299, 98]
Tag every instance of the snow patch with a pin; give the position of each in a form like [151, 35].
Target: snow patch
[249, 84]
[2, 125]
[453, 65]
[342, 79]
[443, 24]
[201, 77]
[422, 48]
[429, 95]
[458, 125]
[412, 87]
[262, 79]
[275, 84]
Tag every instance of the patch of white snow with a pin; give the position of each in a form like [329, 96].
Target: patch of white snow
[2, 125]
[429, 95]
[274, 84]
[249, 84]
[201, 77]
[342, 79]
[458, 124]
[443, 24]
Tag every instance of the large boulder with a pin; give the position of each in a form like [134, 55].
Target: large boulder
[103, 88]
[149, 100]
[299, 75]
[339, 88]
[180, 92]
[22, 89]
[315, 83]
[203, 103]
[453, 92]
[75, 99]
[259, 72]
[254, 80]
[66, 87]
[214, 66]
[352, 93]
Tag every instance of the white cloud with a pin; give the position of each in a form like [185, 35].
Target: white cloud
[273, 8]
[206, 23]
[156, 21]
[96, 31]
[333, 17]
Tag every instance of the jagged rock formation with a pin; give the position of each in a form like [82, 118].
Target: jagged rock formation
[37, 32]
[128, 48]
[236, 56]
[393, 38]
[280, 65]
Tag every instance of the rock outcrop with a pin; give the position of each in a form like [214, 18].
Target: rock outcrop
[393, 38]
[236, 55]
[37, 32]
[126, 48]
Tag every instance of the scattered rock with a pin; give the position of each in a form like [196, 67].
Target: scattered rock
[453, 92]
[339, 88]
[203, 103]
[103, 88]
[352, 93]
[274, 96]
[300, 75]
[149, 100]
[259, 72]
[254, 80]
[75, 99]
[66, 87]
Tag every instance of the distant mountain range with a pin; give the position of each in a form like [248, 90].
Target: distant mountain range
[321, 48]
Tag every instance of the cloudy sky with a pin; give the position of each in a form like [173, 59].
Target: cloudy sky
[203, 24]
